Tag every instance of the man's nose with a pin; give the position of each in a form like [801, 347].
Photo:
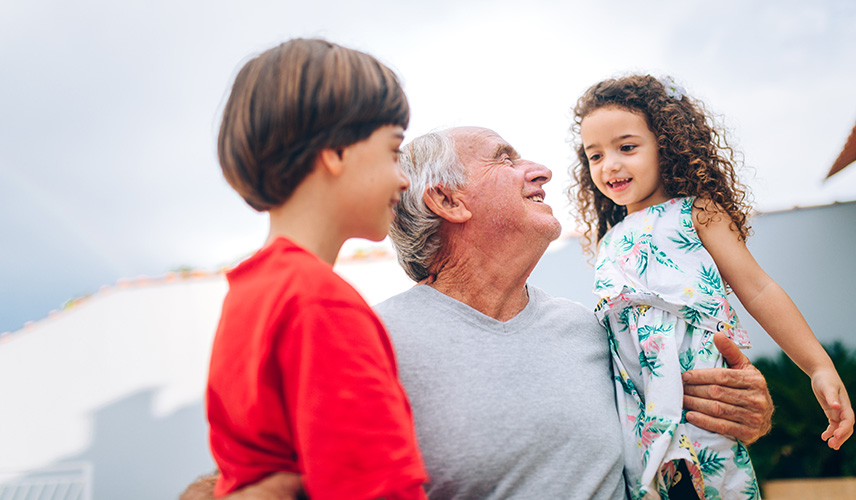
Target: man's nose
[535, 172]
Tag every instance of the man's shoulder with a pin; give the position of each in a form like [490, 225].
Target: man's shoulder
[404, 302]
[552, 302]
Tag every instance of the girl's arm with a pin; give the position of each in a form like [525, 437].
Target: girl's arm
[777, 314]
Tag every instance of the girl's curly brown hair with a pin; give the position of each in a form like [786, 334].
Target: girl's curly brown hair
[695, 158]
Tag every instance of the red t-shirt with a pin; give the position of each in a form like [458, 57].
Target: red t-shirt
[303, 379]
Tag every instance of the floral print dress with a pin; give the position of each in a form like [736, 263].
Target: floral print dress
[661, 299]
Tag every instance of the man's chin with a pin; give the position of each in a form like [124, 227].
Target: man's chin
[553, 229]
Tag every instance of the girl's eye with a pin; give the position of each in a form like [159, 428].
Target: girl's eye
[594, 157]
[626, 148]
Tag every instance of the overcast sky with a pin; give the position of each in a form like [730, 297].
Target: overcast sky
[109, 110]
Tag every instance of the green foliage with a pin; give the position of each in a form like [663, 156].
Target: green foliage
[793, 449]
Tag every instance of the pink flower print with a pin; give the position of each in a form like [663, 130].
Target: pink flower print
[648, 434]
[652, 345]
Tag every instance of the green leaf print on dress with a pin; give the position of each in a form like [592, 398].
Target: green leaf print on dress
[687, 360]
[711, 463]
[603, 284]
[651, 362]
[657, 210]
[686, 243]
[710, 280]
[662, 258]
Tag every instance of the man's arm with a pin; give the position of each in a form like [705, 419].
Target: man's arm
[278, 486]
[733, 401]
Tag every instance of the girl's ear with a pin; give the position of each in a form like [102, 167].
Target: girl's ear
[447, 204]
[332, 161]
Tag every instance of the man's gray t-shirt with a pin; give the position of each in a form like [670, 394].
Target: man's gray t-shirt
[522, 409]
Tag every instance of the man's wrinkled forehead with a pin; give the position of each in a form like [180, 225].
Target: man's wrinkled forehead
[476, 143]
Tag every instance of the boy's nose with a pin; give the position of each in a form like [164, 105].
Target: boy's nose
[405, 181]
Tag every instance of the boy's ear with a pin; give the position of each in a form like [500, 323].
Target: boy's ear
[332, 161]
[446, 203]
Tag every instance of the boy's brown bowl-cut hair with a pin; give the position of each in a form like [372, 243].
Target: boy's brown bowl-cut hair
[292, 101]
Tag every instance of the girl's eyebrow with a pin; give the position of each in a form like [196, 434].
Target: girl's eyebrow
[613, 141]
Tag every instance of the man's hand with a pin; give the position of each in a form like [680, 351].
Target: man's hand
[278, 486]
[733, 401]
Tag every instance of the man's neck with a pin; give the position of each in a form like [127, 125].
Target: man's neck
[494, 285]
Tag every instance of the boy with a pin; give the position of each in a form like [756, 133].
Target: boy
[302, 376]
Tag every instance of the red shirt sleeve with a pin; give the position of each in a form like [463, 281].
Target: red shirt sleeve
[352, 425]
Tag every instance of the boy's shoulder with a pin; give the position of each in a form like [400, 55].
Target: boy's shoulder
[285, 269]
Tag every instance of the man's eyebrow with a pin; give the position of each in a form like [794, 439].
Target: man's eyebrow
[505, 149]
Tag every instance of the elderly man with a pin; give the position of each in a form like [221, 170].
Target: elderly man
[511, 389]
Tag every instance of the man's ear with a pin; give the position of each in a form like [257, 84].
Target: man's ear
[446, 203]
[332, 161]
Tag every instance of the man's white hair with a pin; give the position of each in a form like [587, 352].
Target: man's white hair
[428, 161]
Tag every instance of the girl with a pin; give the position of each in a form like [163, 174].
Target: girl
[659, 195]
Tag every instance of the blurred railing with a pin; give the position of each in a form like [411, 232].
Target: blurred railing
[70, 481]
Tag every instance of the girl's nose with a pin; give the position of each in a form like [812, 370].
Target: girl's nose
[611, 164]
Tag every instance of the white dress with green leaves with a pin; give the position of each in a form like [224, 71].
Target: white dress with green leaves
[661, 300]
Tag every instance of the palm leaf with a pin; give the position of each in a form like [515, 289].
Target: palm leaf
[627, 242]
[662, 258]
[691, 315]
[642, 263]
[751, 491]
[710, 462]
[646, 331]
[602, 284]
[709, 275]
[651, 362]
[687, 206]
[710, 306]
[686, 243]
[657, 209]
[687, 360]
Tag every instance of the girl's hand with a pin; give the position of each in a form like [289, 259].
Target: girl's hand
[832, 395]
